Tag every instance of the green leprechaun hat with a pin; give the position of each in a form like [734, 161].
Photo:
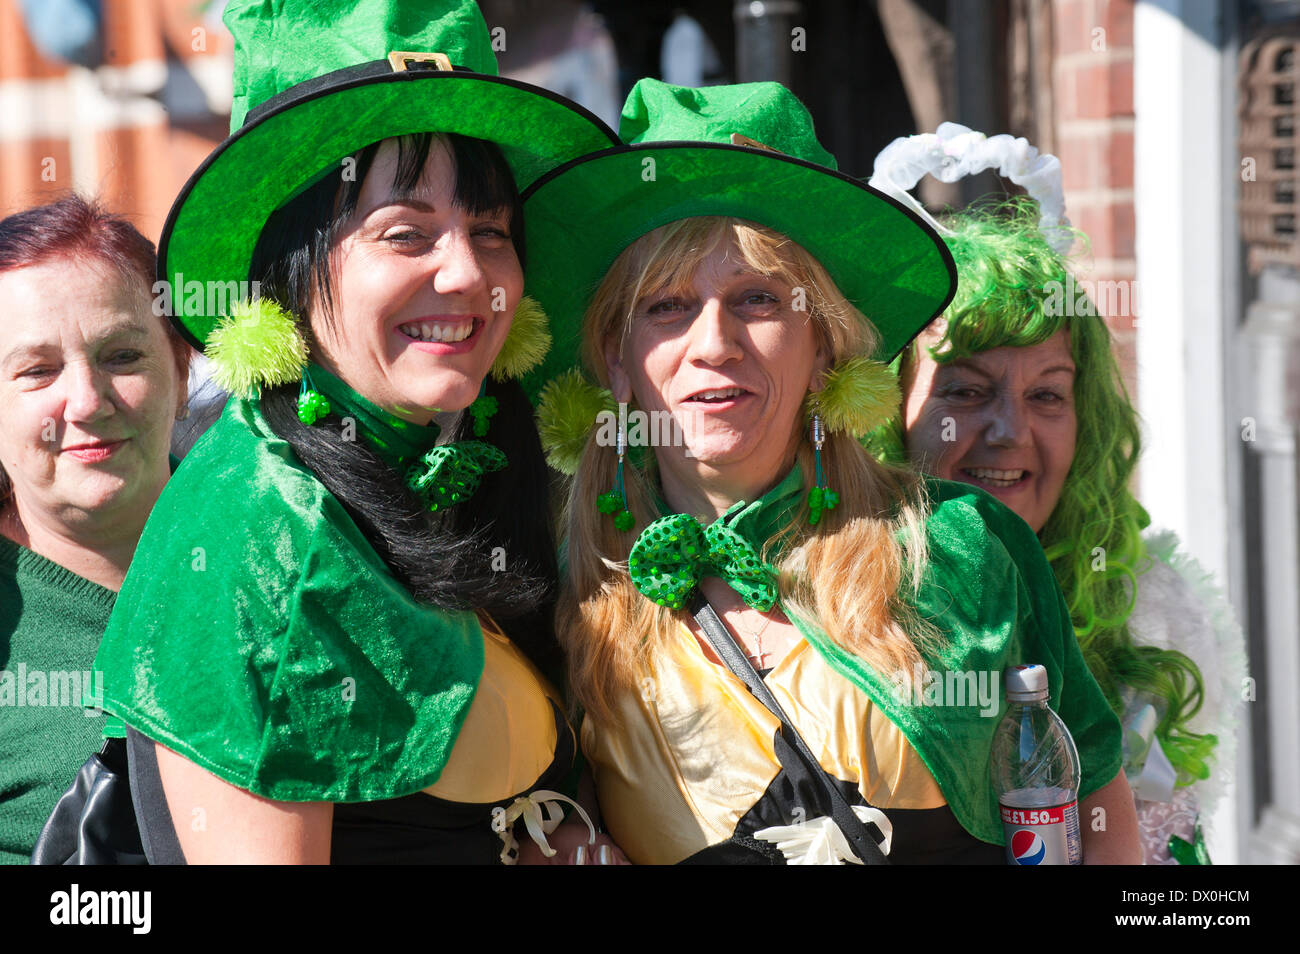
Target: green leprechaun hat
[747, 151]
[317, 80]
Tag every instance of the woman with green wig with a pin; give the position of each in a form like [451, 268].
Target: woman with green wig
[1016, 390]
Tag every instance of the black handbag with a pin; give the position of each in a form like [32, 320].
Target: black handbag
[865, 843]
[94, 822]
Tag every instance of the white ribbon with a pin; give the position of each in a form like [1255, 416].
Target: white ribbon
[1150, 774]
[819, 841]
[954, 151]
[530, 809]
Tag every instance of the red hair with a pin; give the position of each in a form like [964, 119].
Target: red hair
[81, 232]
[75, 229]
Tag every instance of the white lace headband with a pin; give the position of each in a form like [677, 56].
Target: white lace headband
[953, 152]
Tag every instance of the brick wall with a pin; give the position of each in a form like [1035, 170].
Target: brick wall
[130, 130]
[1093, 77]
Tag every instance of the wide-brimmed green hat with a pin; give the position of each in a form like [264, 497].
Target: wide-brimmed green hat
[747, 151]
[316, 80]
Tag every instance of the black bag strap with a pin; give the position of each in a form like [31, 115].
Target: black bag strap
[864, 844]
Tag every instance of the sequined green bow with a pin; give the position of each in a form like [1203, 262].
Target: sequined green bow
[450, 473]
[674, 553]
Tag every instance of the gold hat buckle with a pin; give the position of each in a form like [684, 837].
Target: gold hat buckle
[404, 60]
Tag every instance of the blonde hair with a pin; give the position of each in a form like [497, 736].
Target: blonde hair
[849, 573]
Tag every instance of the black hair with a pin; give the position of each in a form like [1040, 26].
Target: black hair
[495, 552]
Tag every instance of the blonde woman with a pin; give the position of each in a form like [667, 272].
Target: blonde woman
[879, 609]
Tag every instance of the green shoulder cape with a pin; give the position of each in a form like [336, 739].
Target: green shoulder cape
[259, 634]
[989, 589]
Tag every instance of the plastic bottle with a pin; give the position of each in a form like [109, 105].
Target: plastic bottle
[1034, 768]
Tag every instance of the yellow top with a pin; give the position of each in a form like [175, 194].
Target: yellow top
[695, 752]
[508, 739]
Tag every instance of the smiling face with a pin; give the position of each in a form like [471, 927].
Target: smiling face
[423, 292]
[731, 358]
[1002, 419]
[89, 389]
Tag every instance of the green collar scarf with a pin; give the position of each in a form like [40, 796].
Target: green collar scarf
[760, 521]
[399, 443]
[442, 475]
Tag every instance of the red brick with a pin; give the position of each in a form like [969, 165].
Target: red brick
[1117, 19]
[1116, 300]
[1100, 90]
[1119, 88]
[1123, 230]
[179, 20]
[21, 185]
[133, 175]
[1078, 161]
[1117, 160]
[1125, 348]
[19, 58]
[1094, 222]
[1070, 25]
[131, 33]
[1092, 90]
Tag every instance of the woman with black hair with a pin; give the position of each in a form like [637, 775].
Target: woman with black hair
[335, 641]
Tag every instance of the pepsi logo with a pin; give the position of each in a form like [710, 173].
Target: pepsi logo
[1027, 848]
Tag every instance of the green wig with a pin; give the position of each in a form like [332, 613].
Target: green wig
[1010, 294]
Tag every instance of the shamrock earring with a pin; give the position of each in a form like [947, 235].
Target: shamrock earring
[312, 405]
[615, 501]
[482, 409]
[821, 498]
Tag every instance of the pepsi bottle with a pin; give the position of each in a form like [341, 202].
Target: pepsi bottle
[1034, 768]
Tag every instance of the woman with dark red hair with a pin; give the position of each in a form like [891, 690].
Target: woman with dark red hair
[91, 382]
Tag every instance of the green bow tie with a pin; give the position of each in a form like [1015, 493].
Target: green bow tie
[674, 553]
[450, 473]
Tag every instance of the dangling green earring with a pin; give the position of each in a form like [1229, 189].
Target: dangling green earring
[312, 405]
[482, 409]
[821, 498]
[615, 501]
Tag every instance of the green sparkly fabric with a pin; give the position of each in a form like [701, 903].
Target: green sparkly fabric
[674, 553]
[259, 634]
[991, 593]
[450, 474]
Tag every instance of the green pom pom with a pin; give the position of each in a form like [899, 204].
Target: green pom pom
[859, 395]
[566, 417]
[609, 502]
[527, 343]
[624, 521]
[257, 345]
